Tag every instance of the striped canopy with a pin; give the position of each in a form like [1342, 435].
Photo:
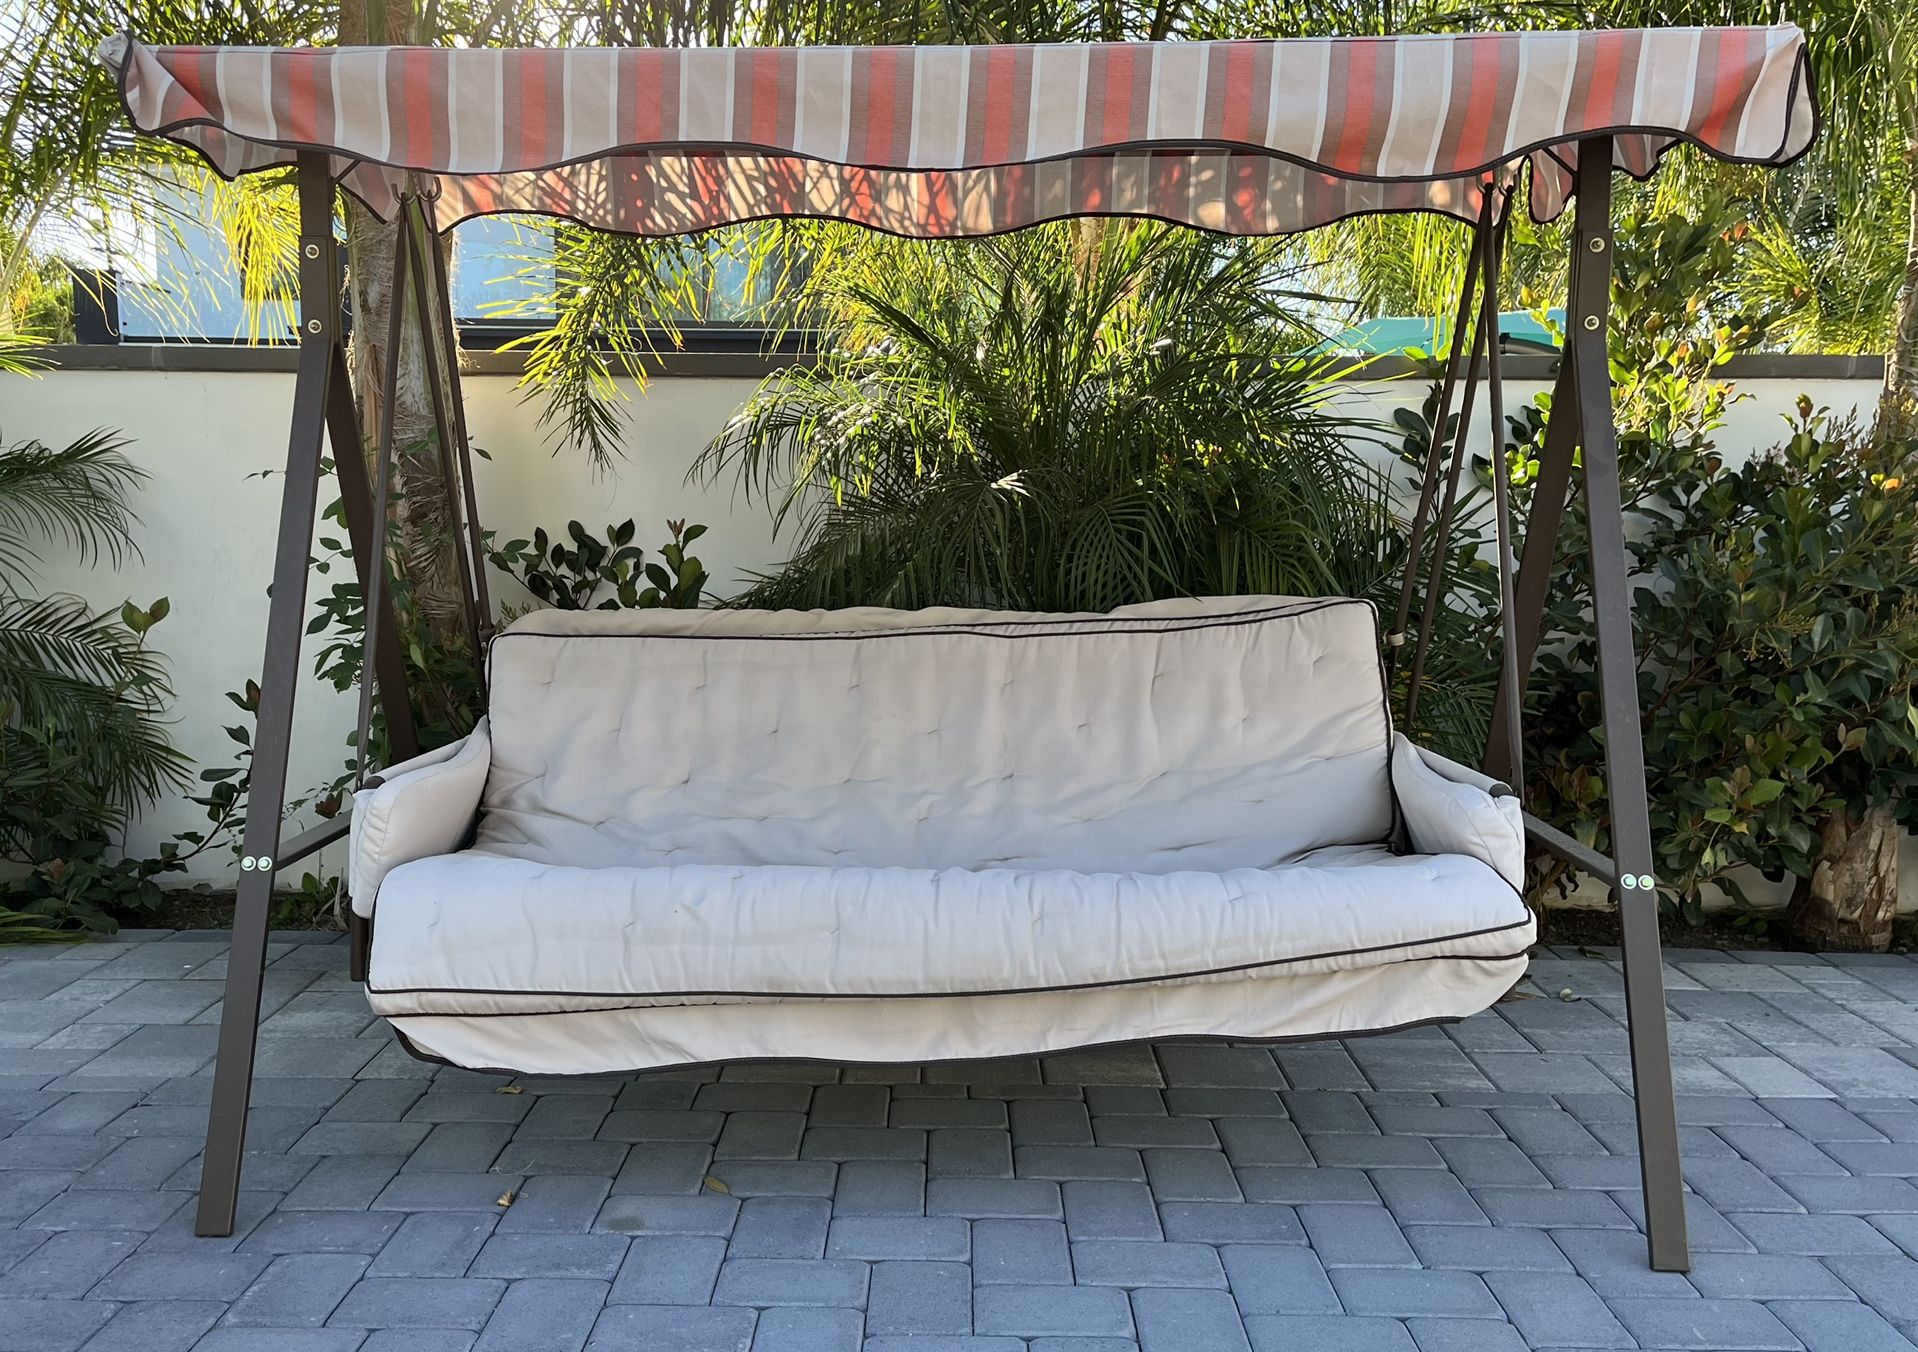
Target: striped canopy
[1248, 138]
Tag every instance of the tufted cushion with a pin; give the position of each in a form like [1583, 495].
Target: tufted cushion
[1199, 735]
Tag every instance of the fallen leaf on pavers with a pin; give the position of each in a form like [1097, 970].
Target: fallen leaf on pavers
[510, 1089]
[1593, 953]
[1511, 997]
[506, 1198]
[717, 1185]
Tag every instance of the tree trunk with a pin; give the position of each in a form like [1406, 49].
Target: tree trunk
[426, 520]
[1898, 402]
[1851, 898]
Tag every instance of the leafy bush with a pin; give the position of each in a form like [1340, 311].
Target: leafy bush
[1460, 675]
[54, 820]
[573, 577]
[1775, 606]
[439, 669]
[1068, 418]
[1778, 641]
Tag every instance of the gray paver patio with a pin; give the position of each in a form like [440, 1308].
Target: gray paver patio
[1469, 1187]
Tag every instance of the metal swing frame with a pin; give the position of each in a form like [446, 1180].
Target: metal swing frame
[1581, 418]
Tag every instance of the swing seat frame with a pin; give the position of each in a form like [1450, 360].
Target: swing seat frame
[1246, 138]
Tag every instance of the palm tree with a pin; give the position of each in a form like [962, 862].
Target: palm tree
[1867, 55]
[1068, 418]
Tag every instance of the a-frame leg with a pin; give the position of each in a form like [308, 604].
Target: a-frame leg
[1637, 894]
[1533, 583]
[266, 795]
[1435, 452]
[1442, 524]
[388, 663]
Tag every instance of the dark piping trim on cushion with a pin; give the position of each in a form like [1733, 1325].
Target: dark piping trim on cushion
[952, 995]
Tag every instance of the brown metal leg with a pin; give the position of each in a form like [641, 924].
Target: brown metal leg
[1435, 452]
[266, 796]
[1624, 746]
[359, 945]
[1505, 712]
[1535, 567]
[387, 662]
[1442, 525]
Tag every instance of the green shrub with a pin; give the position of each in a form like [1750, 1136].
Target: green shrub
[55, 822]
[1775, 603]
[1777, 626]
[606, 574]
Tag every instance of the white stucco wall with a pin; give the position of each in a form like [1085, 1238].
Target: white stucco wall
[209, 441]
[1755, 422]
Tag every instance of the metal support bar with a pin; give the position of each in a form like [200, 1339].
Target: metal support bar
[266, 795]
[1435, 453]
[312, 841]
[1581, 857]
[1442, 531]
[1624, 746]
[1540, 557]
[1508, 712]
[387, 661]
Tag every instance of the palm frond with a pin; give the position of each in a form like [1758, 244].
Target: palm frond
[611, 301]
[64, 666]
[74, 495]
[20, 353]
[22, 927]
[55, 648]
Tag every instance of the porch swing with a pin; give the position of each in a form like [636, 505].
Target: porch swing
[877, 835]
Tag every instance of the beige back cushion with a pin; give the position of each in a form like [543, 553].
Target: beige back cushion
[1181, 735]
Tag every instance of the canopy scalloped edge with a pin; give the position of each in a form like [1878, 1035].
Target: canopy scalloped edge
[1243, 137]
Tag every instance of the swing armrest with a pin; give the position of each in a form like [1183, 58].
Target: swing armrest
[1450, 809]
[1580, 856]
[417, 809]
